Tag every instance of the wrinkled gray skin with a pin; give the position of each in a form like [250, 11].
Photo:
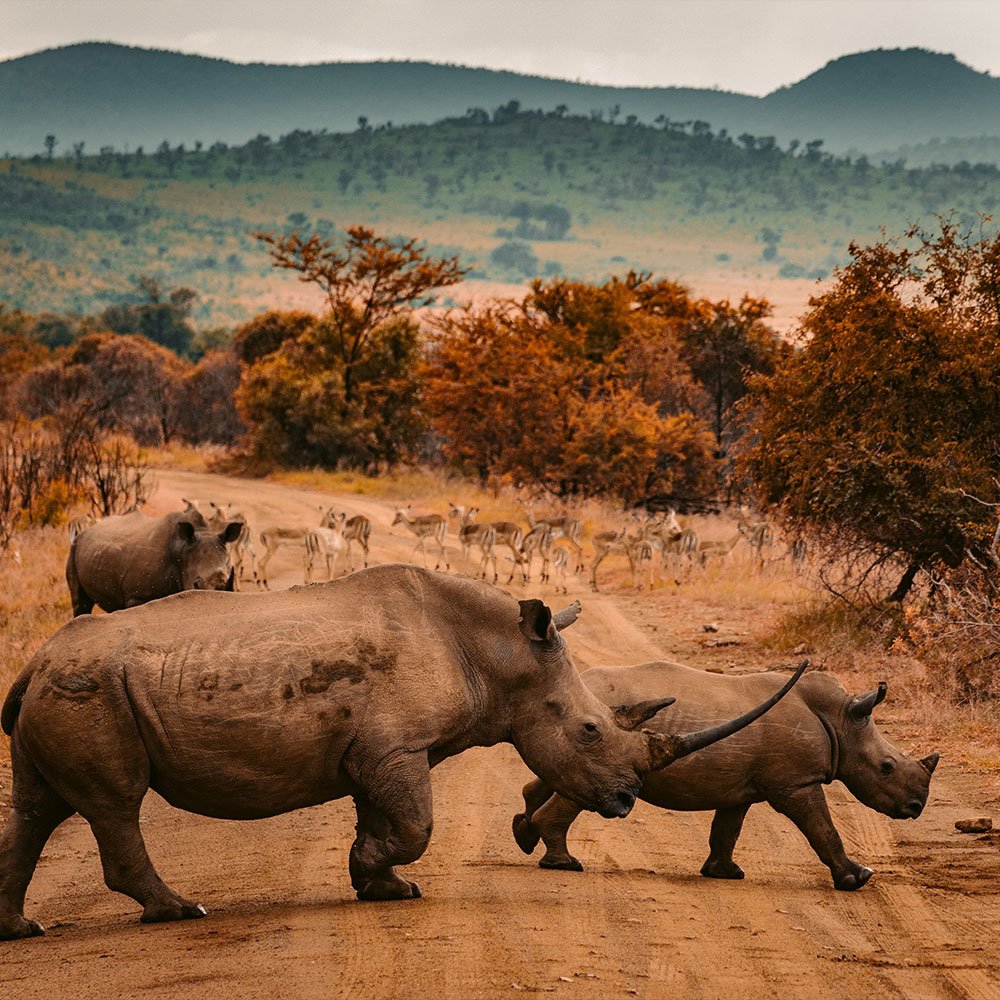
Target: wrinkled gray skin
[818, 734]
[131, 559]
[242, 706]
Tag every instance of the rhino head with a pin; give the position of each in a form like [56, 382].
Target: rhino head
[874, 771]
[200, 554]
[590, 753]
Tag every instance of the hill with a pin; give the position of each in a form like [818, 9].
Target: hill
[516, 194]
[870, 102]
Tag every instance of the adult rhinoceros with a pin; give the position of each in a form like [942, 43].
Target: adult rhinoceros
[243, 706]
[131, 559]
[817, 735]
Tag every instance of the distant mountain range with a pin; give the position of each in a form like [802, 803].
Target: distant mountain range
[102, 94]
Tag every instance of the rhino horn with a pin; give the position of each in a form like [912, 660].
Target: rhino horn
[664, 750]
[931, 761]
[864, 704]
[563, 619]
[633, 716]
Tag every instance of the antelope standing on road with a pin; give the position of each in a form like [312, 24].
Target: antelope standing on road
[759, 536]
[275, 537]
[636, 548]
[717, 550]
[326, 542]
[354, 529]
[481, 535]
[426, 526]
[564, 526]
[539, 540]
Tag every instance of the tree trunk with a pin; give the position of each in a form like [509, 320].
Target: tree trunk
[904, 585]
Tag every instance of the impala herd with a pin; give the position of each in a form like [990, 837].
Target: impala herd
[664, 542]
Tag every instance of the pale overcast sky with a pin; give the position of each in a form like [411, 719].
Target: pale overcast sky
[751, 46]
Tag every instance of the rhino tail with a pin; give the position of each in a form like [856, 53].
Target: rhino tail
[12, 703]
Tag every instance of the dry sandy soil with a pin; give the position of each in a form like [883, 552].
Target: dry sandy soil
[639, 921]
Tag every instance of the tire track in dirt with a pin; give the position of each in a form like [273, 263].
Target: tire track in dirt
[639, 922]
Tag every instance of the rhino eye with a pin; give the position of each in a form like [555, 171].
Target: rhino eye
[590, 732]
[888, 766]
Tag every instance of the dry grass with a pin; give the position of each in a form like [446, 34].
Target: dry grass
[34, 601]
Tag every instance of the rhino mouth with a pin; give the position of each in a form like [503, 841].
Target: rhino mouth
[911, 810]
[617, 806]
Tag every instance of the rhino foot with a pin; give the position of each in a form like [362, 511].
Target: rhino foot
[564, 863]
[525, 833]
[721, 869]
[380, 889]
[180, 909]
[16, 927]
[853, 880]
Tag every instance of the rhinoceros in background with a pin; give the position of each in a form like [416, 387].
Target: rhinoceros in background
[243, 706]
[131, 559]
[817, 735]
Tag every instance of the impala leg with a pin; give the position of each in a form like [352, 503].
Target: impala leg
[807, 809]
[726, 827]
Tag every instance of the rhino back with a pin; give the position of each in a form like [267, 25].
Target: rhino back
[246, 702]
[788, 747]
[127, 558]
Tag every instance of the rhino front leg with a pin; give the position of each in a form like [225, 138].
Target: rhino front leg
[536, 793]
[553, 821]
[726, 827]
[394, 826]
[807, 809]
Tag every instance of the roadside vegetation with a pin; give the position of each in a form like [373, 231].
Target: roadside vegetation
[871, 438]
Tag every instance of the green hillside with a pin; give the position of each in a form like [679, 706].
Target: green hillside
[517, 194]
[112, 95]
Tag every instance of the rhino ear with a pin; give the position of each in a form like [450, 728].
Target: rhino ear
[230, 532]
[536, 622]
[931, 761]
[185, 531]
[563, 619]
[863, 706]
[633, 716]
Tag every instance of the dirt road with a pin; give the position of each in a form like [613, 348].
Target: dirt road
[640, 921]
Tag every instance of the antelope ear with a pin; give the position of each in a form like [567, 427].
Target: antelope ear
[185, 531]
[535, 622]
[864, 704]
[563, 619]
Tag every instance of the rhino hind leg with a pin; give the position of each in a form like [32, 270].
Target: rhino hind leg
[726, 827]
[553, 821]
[807, 809]
[394, 826]
[36, 811]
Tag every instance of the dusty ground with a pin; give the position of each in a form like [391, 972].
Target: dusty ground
[639, 922]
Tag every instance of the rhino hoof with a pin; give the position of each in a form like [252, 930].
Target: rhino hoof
[525, 833]
[18, 927]
[164, 912]
[380, 890]
[566, 864]
[853, 881]
[722, 869]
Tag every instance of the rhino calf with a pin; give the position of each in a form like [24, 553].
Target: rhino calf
[242, 706]
[817, 735]
[132, 559]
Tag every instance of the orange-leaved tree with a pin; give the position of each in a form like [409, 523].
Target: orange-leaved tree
[341, 390]
[881, 434]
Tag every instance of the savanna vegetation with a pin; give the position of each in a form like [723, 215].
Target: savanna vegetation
[518, 193]
[874, 436]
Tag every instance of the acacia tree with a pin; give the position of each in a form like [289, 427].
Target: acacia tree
[881, 434]
[367, 280]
